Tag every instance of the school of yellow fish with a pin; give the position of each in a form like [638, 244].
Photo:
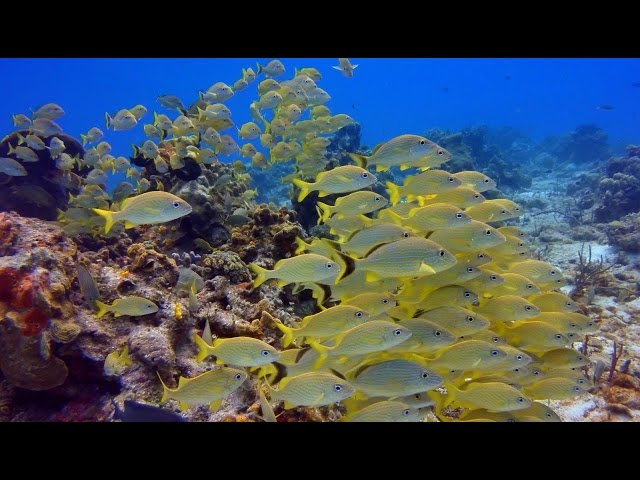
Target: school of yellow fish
[423, 299]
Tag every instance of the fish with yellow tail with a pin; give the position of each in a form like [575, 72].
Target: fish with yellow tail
[312, 389]
[370, 337]
[492, 396]
[208, 388]
[345, 179]
[426, 183]
[394, 378]
[146, 209]
[237, 351]
[326, 323]
[409, 257]
[404, 151]
[132, 306]
[386, 411]
[116, 363]
[356, 203]
[308, 267]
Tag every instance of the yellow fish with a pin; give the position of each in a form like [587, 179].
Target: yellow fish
[475, 180]
[472, 237]
[409, 257]
[553, 388]
[326, 323]
[425, 183]
[457, 320]
[554, 302]
[385, 411]
[311, 389]
[467, 355]
[355, 203]
[534, 336]
[144, 209]
[132, 305]
[394, 378]
[274, 68]
[343, 179]
[237, 351]
[404, 151]
[492, 396]
[509, 308]
[208, 388]
[372, 302]
[115, 364]
[425, 337]
[461, 197]
[309, 267]
[365, 240]
[434, 217]
[249, 130]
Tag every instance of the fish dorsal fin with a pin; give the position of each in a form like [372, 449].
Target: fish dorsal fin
[183, 381]
[125, 202]
[374, 249]
[301, 353]
[376, 148]
[338, 374]
[360, 370]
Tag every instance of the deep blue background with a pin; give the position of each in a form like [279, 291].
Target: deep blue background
[387, 96]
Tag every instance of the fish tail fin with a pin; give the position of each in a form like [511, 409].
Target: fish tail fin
[165, 389]
[203, 349]
[183, 111]
[262, 274]
[302, 246]
[200, 114]
[323, 353]
[326, 212]
[347, 266]
[359, 159]
[108, 216]
[21, 139]
[103, 308]
[304, 188]
[395, 218]
[355, 66]
[136, 150]
[394, 192]
[260, 69]
[108, 120]
[287, 331]
[12, 150]
[84, 139]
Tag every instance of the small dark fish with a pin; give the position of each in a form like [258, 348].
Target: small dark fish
[140, 412]
[605, 107]
[88, 286]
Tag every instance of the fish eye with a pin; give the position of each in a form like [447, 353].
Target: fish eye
[527, 308]
[536, 372]
[590, 324]
[493, 277]
[397, 333]
[405, 234]
[581, 381]
[364, 175]
[552, 272]
[548, 415]
[503, 212]
[337, 387]
[572, 325]
[417, 396]
[437, 333]
[450, 179]
[529, 286]
[470, 270]
[488, 232]
[377, 199]
[440, 152]
[385, 301]
[265, 353]
[558, 336]
[237, 376]
[421, 142]
[467, 294]
[486, 180]
[175, 204]
[494, 353]
[476, 196]
[470, 318]
[520, 399]
[359, 314]
[149, 306]
[458, 215]
[425, 374]
[329, 265]
[519, 357]
[442, 253]
[480, 255]
[406, 412]
[495, 339]
[576, 389]
[521, 244]
[517, 209]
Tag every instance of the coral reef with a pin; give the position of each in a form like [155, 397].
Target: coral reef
[619, 191]
[625, 233]
[585, 145]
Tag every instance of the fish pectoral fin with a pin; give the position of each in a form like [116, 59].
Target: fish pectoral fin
[215, 405]
[128, 224]
[183, 406]
[288, 406]
[372, 277]
[426, 269]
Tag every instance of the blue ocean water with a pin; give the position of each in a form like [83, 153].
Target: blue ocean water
[388, 96]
